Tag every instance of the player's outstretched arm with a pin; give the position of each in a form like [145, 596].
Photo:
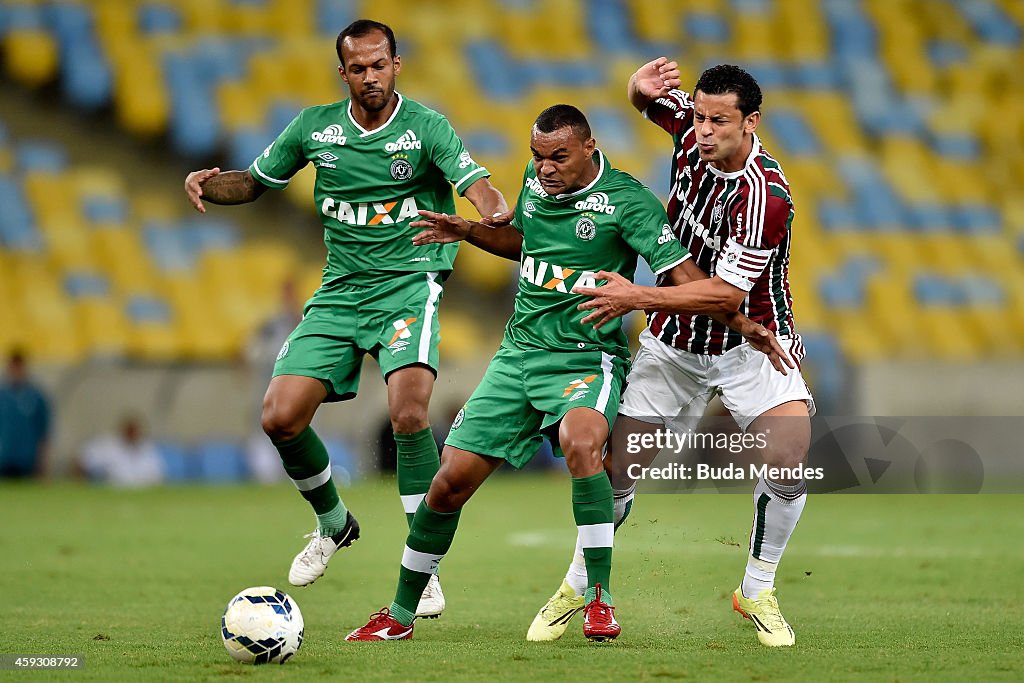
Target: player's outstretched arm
[620, 296]
[229, 187]
[758, 336]
[487, 199]
[495, 234]
[651, 81]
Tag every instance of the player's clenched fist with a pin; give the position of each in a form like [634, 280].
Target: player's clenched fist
[194, 186]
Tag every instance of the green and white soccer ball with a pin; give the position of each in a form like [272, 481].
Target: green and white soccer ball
[262, 625]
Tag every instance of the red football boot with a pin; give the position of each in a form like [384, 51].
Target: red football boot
[382, 626]
[599, 620]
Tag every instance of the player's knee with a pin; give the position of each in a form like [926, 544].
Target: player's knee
[446, 494]
[281, 424]
[409, 418]
[582, 455]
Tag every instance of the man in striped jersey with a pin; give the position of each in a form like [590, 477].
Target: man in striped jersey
[379, 159]
[730, 206]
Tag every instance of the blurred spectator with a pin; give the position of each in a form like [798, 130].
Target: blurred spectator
[24, 422]
[261, 457]
[126, 459]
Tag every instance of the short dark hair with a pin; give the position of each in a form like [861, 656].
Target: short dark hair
[728, 78]
[561, 115]
[362, 27]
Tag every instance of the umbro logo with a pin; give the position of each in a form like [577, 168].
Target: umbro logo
[405, 142]
[325, 160]
[332, 134]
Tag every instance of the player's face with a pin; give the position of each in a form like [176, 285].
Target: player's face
[723, 132]
[563, 162]
[369, 70]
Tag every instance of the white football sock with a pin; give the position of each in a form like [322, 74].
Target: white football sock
[777, 509]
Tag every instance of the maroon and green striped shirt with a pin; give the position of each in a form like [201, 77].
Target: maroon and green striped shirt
[736, 225]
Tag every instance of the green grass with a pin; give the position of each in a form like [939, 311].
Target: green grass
[876, 587]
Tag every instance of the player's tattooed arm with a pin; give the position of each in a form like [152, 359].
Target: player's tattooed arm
[229, 187]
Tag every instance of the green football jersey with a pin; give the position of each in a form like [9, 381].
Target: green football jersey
[567, 238]
[370, 184]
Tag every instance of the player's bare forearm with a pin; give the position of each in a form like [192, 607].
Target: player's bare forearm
[710, 296]
[636, 98]
[486, 198]
[232, 187]
[504, 241]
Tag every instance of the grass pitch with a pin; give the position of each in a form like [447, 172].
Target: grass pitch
[876, 587]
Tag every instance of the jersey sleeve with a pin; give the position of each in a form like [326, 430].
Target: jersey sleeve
[645, 228]
[448, 154]
[282, 159]
[524, 194]
[756, 229]
[671, 112]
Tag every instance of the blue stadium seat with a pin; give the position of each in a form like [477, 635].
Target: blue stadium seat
[789, 127]
[943, 53]
[86, 76]
[814, 76]
[220, 462]
[705, 27]
[105, 209]
[990, 22]
[17, 225]
[167, 246]
[81, 285]
[333, 15]
[609, 25]
[936, 290]
[35, 156]
[827, 370]
[497, 75]
[154, 18]
[146, 309]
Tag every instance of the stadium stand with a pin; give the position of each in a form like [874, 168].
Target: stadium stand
[909, 218]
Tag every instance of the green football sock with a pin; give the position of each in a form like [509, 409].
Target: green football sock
[594, 512]
[430, 537]
[418, 462]
[309, 467]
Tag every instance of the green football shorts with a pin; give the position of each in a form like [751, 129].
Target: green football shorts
[526, 392]
[390, 315]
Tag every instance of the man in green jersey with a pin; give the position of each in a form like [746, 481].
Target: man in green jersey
[552, 375]
[380, 158]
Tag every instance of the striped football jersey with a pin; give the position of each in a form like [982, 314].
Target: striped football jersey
[736, 225]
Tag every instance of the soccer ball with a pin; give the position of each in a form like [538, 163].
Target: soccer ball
[261, 625]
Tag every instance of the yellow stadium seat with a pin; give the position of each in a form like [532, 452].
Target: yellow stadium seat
[942, 330]
[103, 325]
[31, 56]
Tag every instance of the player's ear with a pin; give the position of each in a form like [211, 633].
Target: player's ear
[750, 124]
[341, 72]
[398, 63]
[589, 146]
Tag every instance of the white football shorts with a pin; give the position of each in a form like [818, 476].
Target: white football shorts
[672, 386]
